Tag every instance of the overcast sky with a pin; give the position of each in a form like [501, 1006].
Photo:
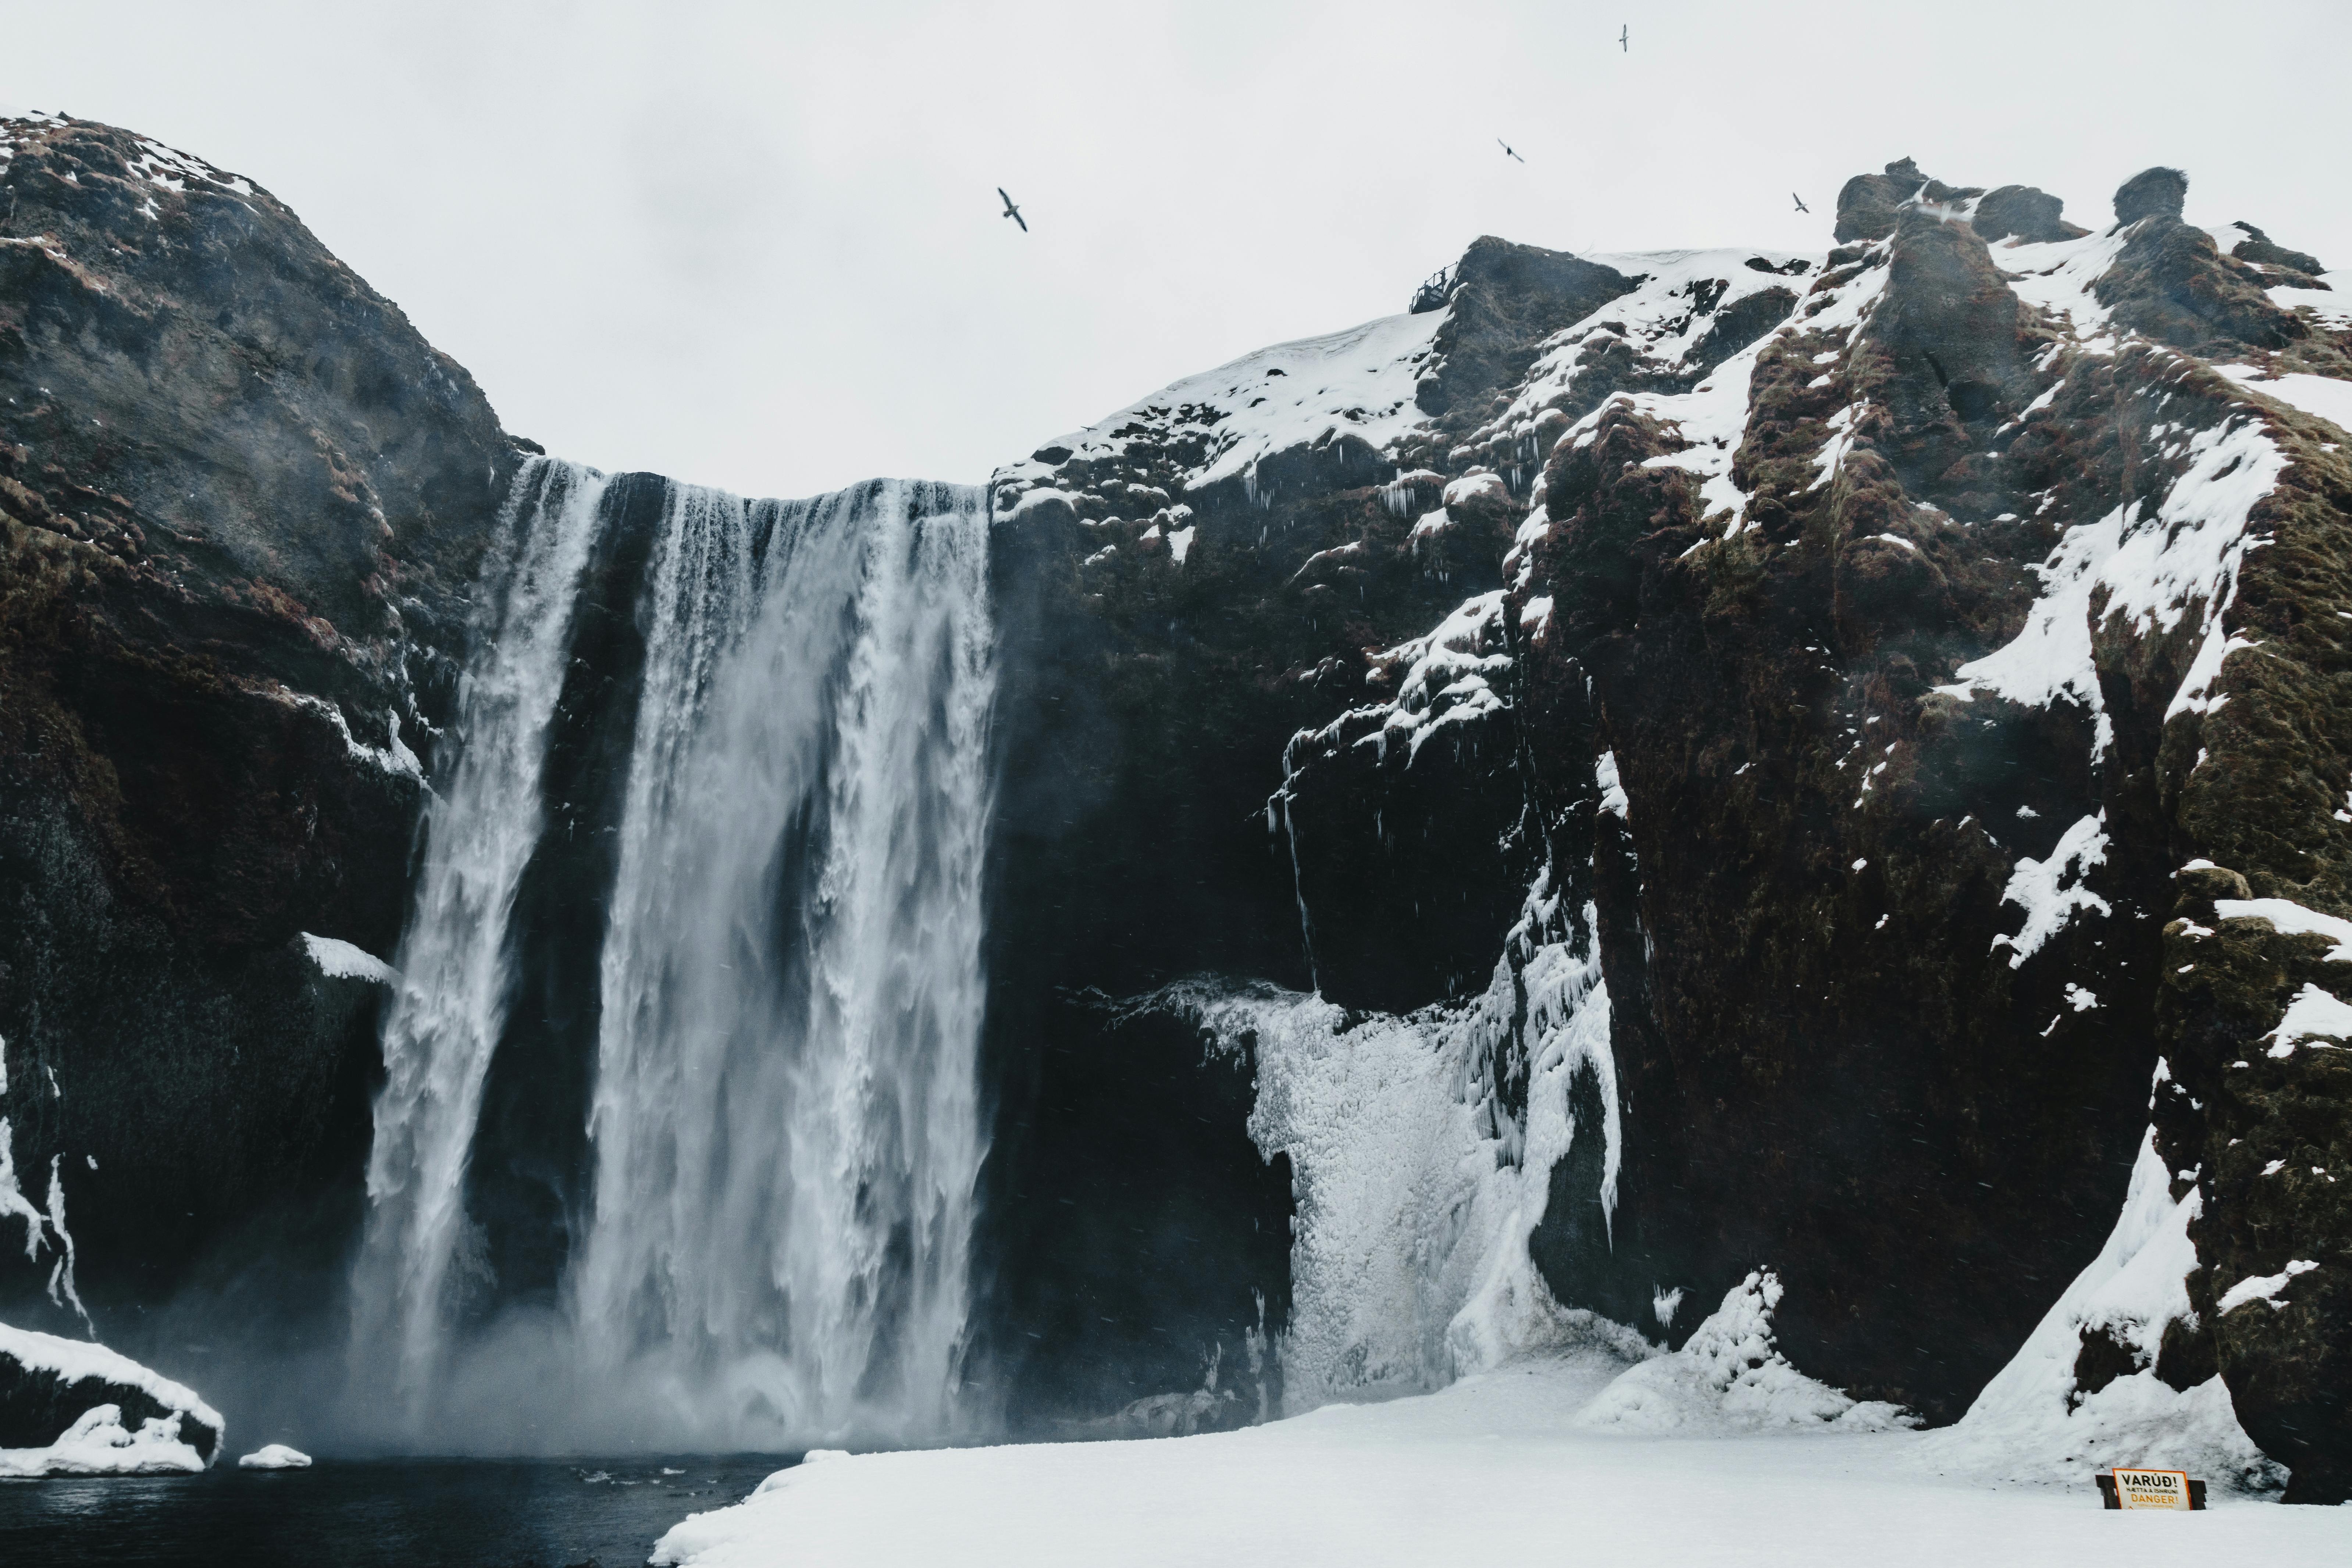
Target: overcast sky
[759, 245]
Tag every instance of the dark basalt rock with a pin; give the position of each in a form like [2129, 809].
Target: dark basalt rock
[2258, 1124]
[2022, 212]
[1506, 300]
[2260, 249]
[240, 504]
[1867, 203]
[2151, 193]
[2173, 283]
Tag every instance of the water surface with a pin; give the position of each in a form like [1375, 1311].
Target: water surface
[389, 1513]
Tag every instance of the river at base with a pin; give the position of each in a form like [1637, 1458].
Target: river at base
[388, 1514]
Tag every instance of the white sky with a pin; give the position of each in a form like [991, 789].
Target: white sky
[757, 245]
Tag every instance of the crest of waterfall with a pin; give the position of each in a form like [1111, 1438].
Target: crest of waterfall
[782, 1135]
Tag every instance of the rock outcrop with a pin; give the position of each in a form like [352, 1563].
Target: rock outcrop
[242, 503]
[1854, 693]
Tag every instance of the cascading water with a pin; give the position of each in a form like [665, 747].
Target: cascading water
[445, 1016]
[783, 1135]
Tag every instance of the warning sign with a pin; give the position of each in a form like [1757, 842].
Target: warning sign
[2124, 1488]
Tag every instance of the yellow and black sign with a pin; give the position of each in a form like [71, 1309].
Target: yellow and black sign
[2124, 1487]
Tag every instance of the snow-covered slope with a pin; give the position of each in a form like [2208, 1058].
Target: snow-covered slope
[1498, 1467]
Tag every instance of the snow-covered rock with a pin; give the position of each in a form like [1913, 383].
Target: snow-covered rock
[98, 1443]
[2047, 1417]
[52, 1390]
[274, 1457]
[1730, 1375]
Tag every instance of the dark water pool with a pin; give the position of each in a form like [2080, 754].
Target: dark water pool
[411, 1513]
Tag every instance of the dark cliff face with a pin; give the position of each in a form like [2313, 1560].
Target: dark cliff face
[1851, 1041]
[241, 504]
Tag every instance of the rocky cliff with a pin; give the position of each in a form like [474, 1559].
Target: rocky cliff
[1871, 668]
[1511, 818]
[242, 506]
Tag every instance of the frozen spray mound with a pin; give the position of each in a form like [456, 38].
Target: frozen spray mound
[1730, 1376]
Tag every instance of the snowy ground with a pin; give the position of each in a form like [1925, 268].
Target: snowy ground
[1497, 1469]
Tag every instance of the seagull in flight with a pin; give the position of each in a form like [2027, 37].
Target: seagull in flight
[1013, 212]
[1800, 201]
[1506, 147]
[1624, 35]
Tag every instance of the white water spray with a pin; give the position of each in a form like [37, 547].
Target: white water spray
[784, 1129]
[446, 1013]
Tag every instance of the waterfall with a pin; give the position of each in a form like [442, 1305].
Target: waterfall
[782, 1141]
[446, 1006]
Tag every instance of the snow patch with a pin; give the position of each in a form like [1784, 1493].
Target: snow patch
[1731, 1376]
[341, 960]
[2152, 568]
[2312, 1012]
[275, 1457]
[2288, 917]
[1358, 383]
[2322, 396]
[2041, 887]
[2262, 1288]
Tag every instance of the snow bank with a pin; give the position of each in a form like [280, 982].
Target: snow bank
[1730, 1376]
[275, 1457]
[98, 1444]
[47, 1372]
[1495, 1469]
[2032, 1424]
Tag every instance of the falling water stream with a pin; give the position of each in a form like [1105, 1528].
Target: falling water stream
[781, 1135]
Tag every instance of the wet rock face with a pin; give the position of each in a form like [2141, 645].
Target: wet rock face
[241, 502]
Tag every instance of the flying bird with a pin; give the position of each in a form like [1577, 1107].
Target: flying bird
[1013, 212]
[1624, 35]
[1506, 147]
[1800, 201]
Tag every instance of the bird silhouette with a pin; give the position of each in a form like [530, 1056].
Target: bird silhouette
[1800, 201]
[1013, 212]
[1624, 36]
[1506, 147]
